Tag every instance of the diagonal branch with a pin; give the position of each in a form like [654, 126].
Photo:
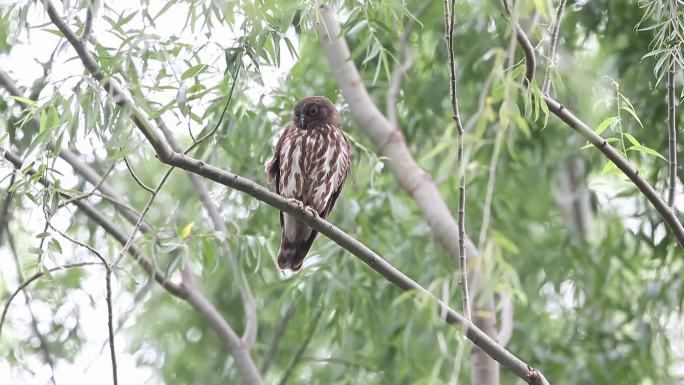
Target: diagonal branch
[609, 151]
[170, 157]
[34, 277]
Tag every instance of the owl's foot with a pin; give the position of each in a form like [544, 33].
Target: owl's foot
[300, 205]
[296, 202]
[311, 211]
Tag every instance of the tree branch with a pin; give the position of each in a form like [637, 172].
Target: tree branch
[672, 130]
[108, 290]
[228, 336]
[34, 277]
[88, 26]
[609, 151]
[168, 156]
[402, 68]
[277, 336]
[552, 46]
[302, 348]
[34, 323]
[525, 44]
[462, 257]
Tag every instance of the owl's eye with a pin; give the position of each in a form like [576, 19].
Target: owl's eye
[313, 110]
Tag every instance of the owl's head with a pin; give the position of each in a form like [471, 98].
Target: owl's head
[315, 112]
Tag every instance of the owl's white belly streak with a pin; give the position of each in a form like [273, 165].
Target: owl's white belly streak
[313, 166]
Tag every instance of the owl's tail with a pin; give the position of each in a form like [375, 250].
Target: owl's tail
[295, 244]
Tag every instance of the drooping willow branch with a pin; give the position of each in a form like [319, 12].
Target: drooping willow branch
[456, 115]
[602, 145]
[170, 157]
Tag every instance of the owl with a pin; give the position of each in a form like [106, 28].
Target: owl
[310, 165]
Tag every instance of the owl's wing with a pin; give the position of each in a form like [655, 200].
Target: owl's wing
[273, 168]
[347, 166]
[327, 208]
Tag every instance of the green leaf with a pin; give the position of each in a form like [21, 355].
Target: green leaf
[35, 250]
[631, 111]
[193, 71]
[604, 124]
[647, 150]
[632, 139]
[54, 246]
[24, 100]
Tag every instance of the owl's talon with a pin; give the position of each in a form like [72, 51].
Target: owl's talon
[296, 202]
[311, 211]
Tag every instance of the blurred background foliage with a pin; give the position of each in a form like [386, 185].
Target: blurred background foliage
[592, 271]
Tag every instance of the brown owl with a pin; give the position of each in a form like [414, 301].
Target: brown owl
[310, 165]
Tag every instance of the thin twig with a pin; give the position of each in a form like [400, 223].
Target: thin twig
[34, 277]
[277, 337]
[223, 112]
[93, 191]
[489, 194]
[462, 258]
[108, 297]
[302, 348]
[400, 70]
[4, 211]
[136, 178]
[672, 123]
[88, 26]
[110, 325]
[34, 322]
[552, 46]
[142, 217]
